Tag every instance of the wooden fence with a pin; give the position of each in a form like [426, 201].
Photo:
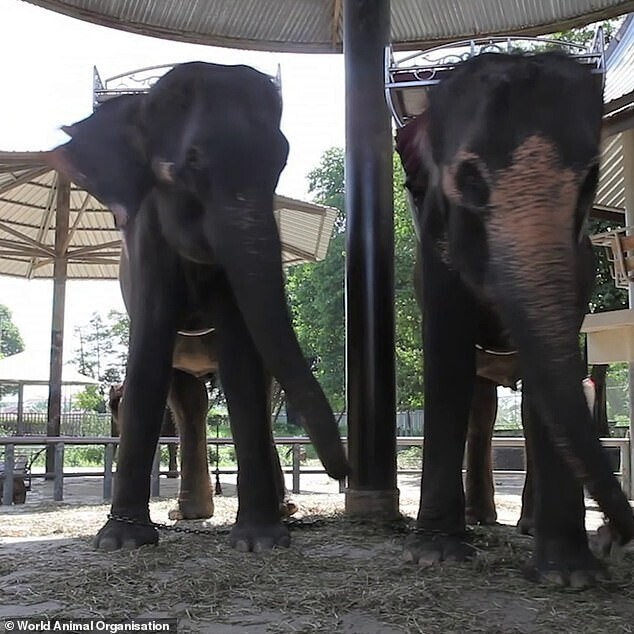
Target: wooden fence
[296, 443]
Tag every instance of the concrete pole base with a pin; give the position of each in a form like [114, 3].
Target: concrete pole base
[373, 504]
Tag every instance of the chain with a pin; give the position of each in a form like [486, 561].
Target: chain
[290, 522]
[167, 527]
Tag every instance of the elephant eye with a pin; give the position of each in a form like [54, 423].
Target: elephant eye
[472, 185]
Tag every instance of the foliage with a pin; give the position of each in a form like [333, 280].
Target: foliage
[90, 399]
[102, 354]
[10, 338]
[316, 293]
[585, 34]
[606, 295]
[327, 183]
[10, 342]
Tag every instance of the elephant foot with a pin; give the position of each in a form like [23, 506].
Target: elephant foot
[606, 543]
[257, 538]
[427, 548]
[124, 535]
[526, 526]
[188, 509]
[564, 563]
[288, 507]
[475, 516]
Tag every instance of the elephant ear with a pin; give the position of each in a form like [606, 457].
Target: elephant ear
[106, 156]
[414, 147]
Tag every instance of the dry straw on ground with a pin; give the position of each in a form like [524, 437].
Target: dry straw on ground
[338, 576]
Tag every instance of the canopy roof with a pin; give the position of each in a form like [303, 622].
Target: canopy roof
[33, 369]
[27, 225]
[619, 116]
[315, 26]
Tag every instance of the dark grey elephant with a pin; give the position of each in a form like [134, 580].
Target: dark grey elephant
[502, 167]
[194, 365]
[189, 171]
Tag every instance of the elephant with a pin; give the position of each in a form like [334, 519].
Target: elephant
[502, 167]
[168, 428]
[495, 368]
[194, 364]
[189, 170]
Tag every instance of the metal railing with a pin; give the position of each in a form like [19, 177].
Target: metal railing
[296, 442]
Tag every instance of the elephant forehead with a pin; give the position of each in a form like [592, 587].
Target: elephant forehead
[535, 180]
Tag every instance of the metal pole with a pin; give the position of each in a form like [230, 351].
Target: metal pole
[58, 469]
[369, 263]
[20, 425]
[296, 453]
[57, 327]
[9, 468]
[627, 140]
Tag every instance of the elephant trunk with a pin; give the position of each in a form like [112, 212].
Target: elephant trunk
[246, 241]
[536, 277]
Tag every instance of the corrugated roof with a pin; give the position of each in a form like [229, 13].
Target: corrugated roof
[611, 191]
[315, 25]
[27, 225]
[619, 58]
[619, 99]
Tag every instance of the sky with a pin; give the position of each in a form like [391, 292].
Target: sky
[46, 70]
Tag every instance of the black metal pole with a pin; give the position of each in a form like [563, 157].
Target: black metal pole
[370, 263]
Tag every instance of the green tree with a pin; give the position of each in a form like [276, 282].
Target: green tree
[10, 342]
[316, 292]
[10, 338]
[606, 295]
[409, 345]
[101, 354]
[90, 399]
[585, 34]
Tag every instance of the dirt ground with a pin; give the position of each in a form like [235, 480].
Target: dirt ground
[337, 576]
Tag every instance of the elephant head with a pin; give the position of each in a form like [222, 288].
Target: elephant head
[205, 147]
[502, 168]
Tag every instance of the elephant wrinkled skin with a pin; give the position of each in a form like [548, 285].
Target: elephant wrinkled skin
[189, 170]
[502, 168]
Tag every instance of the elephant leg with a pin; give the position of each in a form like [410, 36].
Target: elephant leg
[154, 313]
[169, 430]
[287, 506]
[449, 323]
[480, 503]
[188, 402]
[561, 553]
[526, 523]
[246, 385]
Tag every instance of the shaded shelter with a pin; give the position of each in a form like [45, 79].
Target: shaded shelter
[362, 29]
[51, 228]
[318, 26]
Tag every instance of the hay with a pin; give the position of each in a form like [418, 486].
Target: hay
[338, 576]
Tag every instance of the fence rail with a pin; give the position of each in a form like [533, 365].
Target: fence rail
[296, 442]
